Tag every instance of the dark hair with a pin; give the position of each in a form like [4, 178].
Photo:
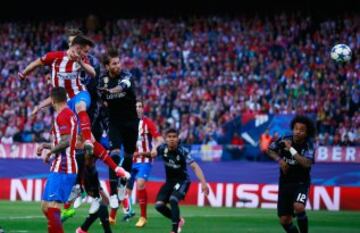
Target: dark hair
[140, 100]
[112, 53]
[58, 94]
[82, 41]
[73, 31]
[171, 130]
[310, 127]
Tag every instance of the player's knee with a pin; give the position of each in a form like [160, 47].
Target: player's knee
[173, 199]
[299, 207]
[285, 220]
[81, 106]
[301, 215]
[140, 184]
[44, 207]
[115, 155]
[159, 206]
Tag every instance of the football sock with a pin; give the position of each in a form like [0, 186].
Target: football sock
[91, 182]
[302, 221]
[103, 215]
[80, 160]
[113, 179]
[113, 212]
[85, 125]
[104, 218]
[125, 204]
[142, 198]
[127, 163]
[89, 221]
[175, 213]
[100, 152]
[290, 228]
[54, 220]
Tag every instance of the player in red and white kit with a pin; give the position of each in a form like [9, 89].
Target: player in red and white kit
[65, 72]
[66, 67]
[63, 166]
[148, 140]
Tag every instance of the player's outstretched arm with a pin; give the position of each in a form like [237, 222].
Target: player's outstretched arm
[32, 66]
[200, 175]
[123, 85]
[43, 104]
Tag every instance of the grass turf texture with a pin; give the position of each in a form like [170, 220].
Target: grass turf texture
[23, 217]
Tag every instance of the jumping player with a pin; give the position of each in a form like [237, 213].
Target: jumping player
[66, 68]
[119, 95]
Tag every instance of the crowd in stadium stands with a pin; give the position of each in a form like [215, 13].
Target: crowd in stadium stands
[201, 73]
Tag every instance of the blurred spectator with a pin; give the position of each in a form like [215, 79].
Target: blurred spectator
[265, 141]
[237, 141]
[201, 73]
[236, 146]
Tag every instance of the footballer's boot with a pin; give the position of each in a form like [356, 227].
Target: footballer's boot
[67, 213]
[128, 216]
[181, 224]
[141, 222]
[95, 205]
[112, 221]
[79, 230]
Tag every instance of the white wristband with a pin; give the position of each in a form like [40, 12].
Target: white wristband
[293, 152]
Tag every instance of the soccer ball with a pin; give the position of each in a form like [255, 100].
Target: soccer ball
[341, 53]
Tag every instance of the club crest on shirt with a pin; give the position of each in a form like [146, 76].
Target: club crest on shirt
[106, 81]
[77, 66]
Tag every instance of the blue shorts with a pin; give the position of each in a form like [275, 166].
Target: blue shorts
[81, 96]
[139, 171]
[58, 187]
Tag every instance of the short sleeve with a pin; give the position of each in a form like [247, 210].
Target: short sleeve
[188, 157]
[160, 151]
[64, 124]
[309, 153]
[152, 128]
[125, 80]
[125, 83]
[50, 57]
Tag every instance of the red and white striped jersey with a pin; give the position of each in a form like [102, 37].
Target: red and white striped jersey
[64, 72]
[147, 132]
[65, 124]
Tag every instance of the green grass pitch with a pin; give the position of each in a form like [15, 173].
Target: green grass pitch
[23, 217]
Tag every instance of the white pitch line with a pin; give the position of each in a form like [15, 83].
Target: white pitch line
[19, 231]
[21, 217]
[186, 216]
